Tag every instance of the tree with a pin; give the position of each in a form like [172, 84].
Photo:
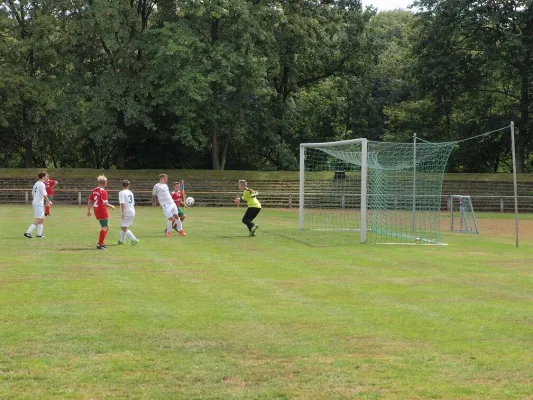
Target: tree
[28, 86]
[483, 48]
[208, 69]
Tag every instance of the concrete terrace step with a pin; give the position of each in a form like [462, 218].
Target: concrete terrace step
[449, 187]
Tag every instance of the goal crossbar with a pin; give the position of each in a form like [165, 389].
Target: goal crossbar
[381, 189]
[363, 206]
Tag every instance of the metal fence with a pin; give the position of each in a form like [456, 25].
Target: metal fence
[273, 199]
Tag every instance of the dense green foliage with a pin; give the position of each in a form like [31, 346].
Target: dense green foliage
[238, 84]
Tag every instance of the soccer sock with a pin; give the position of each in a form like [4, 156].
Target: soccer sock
[102, 237]
[40, 228]
[131, 235]
[122, 236]
[47, 209]
[169, 226]
[179, 226]
[31, 228]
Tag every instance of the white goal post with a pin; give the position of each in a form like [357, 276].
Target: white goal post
[363, 206]
[389, 192]
[467, 222]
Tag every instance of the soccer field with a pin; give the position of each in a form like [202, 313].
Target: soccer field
[284, 315]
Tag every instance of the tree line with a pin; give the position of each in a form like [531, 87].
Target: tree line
[238, 84]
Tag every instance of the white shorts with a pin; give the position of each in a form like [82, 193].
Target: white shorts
[38, 211]
[169, 210]
[127, 221]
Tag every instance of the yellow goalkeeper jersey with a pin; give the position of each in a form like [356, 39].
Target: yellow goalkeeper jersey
[250, 197]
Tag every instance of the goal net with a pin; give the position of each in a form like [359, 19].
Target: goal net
[388, 192]
[462, 216]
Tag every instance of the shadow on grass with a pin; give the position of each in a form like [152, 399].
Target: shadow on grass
[77, 249]
[85, 248]
[308, 244]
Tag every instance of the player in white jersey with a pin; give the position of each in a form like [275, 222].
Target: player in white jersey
[127, 207]
[39, 194]
[162, 194]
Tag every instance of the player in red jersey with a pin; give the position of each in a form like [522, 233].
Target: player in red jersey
[98, 199]
[177, 196]
[50, 192]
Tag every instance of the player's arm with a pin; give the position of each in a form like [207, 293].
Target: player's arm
[89, 203]
[239, 199]
[154, 196]
[183, 203]
[122, 202]
[105, 201]
[48, 202]
[182, 190]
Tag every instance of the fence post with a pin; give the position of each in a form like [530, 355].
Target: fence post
[501, 204]
[79, 198]
[449, 201]
[26, 197]
[343, 201]
[290, 200]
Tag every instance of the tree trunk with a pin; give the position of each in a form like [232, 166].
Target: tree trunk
[224, 155]
[522, 137]
[28, 153]
[121, 144]
[214, 147]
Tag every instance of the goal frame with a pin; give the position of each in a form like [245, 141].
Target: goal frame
[364, 172]
[462, 216]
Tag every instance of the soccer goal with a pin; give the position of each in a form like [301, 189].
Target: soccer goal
[462, 215]
[388, 192]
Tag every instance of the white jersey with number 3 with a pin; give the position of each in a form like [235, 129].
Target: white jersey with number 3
[162, 193]
[39, 191]
[126, 197]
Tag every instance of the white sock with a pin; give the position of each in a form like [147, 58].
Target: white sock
[31, 228]
[169, 226]
[131, 235]
[40, 228]
[179, 226]
[122, 236]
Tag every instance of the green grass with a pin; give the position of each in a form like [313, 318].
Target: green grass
[85, 173]
[284, 315]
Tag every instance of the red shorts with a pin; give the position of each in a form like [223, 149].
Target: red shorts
[101, 213]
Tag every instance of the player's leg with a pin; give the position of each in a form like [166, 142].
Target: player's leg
[40, 228]
[38, 214]
[246, 218]
[104, 227]
[181, 217]
[167, 210]
[254, 214]
[177, 222]
[128, 221]
[170, 222]
[47, 207]
[123, 230]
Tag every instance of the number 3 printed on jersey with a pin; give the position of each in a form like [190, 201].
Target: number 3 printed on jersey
[130, 198]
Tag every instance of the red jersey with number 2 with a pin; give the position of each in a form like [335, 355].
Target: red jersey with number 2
[177, 196]
[99, 200]
[49, 185]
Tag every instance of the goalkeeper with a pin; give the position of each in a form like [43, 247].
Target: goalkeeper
[250, 197]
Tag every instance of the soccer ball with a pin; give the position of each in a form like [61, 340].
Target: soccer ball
[189, 201]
